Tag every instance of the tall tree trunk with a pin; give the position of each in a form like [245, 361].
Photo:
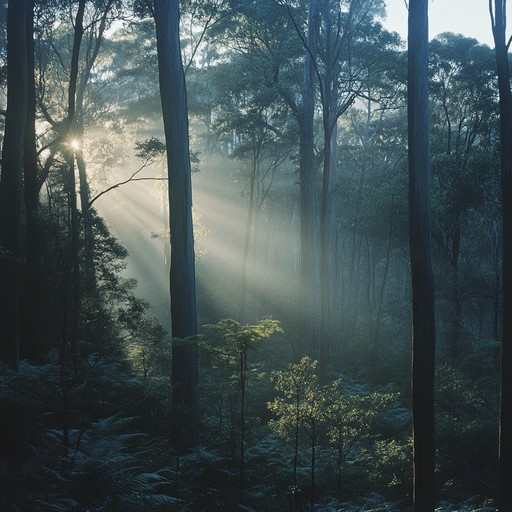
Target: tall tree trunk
[32, 279]
[307, 288]
[182, 274]
[11, 181]
[249, 225]
[498, 18]
[85, 197]
[421, 260]
[74, 259]
[72, 200]
[327, 86]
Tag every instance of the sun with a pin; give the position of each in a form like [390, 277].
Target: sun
[74, 144]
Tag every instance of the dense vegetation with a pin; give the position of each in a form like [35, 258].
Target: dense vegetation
[302, 264]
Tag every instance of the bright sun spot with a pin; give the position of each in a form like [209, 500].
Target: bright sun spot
[74, 144]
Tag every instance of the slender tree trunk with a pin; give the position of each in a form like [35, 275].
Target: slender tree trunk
[505, 436]
[73, 74]
[313, 462]
[75, 264]
[296, 441]
[182, 274]
[243, 374]
[72, 199]
[307, 308]
[248, 230]
[11, 181]
[30, 321]
[421, 260]
[326, 86]
[85, 197]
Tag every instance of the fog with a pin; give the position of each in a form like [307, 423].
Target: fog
[136, 214]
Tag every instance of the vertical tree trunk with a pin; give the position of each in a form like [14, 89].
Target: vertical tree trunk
[32, 281]
[72, 200]
[249, 225]
[182, 274]
[498, 19]
[74, 258]
[307, 290]
[421, 261]
[327, 115]
[85, 197]
[11, 181]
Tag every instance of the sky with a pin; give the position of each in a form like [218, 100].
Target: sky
[467, 17]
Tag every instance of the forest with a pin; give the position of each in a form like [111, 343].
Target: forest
[255, 255]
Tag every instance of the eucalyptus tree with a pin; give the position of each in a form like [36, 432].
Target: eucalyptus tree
[421, 259]
[11, 180]
[182, 273]
[498, 22]
[352, 51]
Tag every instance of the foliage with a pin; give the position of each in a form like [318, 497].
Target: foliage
[86, 425]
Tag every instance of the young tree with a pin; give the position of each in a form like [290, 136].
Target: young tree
[241, 339]
[301, 409]
[11, 181]
[498, 21]
[351, 418]
[421, 259]
[182, 273]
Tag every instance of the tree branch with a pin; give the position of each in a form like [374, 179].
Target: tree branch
[131, 178]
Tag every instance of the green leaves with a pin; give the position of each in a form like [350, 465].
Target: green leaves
[243, 337]
[150, 149]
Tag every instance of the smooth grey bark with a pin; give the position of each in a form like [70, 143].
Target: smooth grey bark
[421, 260]
[182, 274]
[498, 20]
[11, 181]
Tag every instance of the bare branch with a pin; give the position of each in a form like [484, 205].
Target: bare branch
[146, 163]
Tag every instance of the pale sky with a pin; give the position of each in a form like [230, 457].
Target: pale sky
[467, 17]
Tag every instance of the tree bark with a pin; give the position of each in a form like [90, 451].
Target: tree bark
[11, 181]
[307, 287]
[421, 261]
[498, 20]
[29, 329]
[74, 248]
[182, 274]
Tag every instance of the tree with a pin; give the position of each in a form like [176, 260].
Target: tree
[11, 181]
[498, 21]
[351, 418]
[342, 77]
[421, 259]
[29, 314]
[301, 409]
[243, 338]
[182, 273]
